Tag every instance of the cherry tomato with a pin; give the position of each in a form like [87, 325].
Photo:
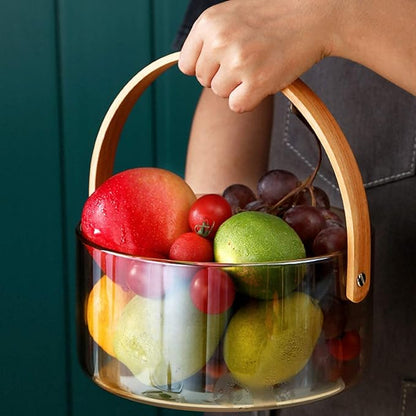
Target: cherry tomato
[117, 268]
[191, 247]
[207, 213]
[215, 369]
[212, 290]
[147, 279]
[345, 347]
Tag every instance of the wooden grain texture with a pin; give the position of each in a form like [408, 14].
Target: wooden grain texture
[349, 181]
[102, 160]
[321, 121]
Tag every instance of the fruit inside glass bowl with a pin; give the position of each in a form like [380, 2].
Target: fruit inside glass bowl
[161, 331]
[232, 300]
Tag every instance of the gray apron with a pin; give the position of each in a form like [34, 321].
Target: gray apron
[379, 121]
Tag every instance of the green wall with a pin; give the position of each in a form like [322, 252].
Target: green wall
[62, 64]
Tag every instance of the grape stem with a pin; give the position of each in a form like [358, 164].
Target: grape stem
[307, 183]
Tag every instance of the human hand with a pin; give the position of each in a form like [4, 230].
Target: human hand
[245, 50]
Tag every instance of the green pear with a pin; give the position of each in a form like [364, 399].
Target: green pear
[269, 342]
[164, 341]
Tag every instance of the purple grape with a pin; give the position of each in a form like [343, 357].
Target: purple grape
[256, 206]
[238, 196]
[329, 240]
[333, 223]
[335, 316]
[275, 184]
[321, 198]
[306, 220]
[331, 218]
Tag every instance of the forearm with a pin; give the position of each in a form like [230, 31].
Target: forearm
[381, 35]
[226, 147]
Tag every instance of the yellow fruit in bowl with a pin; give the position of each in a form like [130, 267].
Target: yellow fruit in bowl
[105, 303]
[268, 342]
[258, 237]
[165, 340]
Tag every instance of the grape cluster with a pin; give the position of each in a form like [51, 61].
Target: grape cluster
[306, 208]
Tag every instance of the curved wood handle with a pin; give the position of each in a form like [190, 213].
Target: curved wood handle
[349, 181]
[323, 124]
[104, 153]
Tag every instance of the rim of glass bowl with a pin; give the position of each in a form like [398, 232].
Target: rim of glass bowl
[304, 260]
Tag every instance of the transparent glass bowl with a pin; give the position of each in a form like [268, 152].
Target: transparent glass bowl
[289, 337]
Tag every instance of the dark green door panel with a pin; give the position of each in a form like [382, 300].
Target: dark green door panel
[62, 64]
[176, 94]
[102, 44]
[32, 294]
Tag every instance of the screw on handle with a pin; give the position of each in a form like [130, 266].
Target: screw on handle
[322, 123]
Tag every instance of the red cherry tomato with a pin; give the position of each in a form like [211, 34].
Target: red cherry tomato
[207, 213]
[215, 369]
[212, 290]
[345, 347]
[191, 247]
[117, 268]
[149, 280]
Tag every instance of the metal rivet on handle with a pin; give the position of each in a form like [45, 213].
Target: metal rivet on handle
[361, 278]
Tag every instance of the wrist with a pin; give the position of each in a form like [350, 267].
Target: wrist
[342, 28]
[378, 34]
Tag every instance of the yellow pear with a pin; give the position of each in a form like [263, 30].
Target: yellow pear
[268, 342]
[163, 341]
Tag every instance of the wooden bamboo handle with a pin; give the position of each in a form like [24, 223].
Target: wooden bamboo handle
[322, 123]
[350, 184]
[104, 153]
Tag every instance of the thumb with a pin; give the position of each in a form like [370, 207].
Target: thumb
[243, 98]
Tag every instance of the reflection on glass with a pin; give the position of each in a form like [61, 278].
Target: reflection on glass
[214, 336]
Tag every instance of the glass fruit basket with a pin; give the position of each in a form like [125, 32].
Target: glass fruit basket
[227, 335]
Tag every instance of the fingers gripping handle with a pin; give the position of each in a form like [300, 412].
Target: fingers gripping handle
[323, 124]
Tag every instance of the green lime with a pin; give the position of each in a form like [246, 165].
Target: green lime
[257, 237]
[268, 342]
